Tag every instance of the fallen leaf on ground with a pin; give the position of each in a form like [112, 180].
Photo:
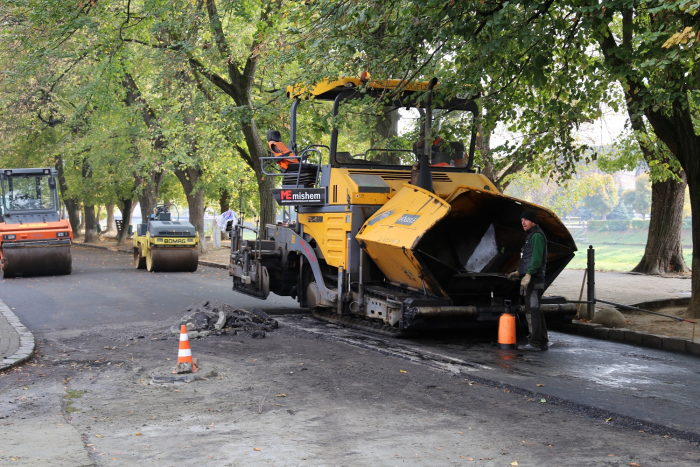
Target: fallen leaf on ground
[540, 385]
[281, 395]
[514, 463]
[543, 401]
[402, 371]
[256, 449]
[99, 436]
[634, 464]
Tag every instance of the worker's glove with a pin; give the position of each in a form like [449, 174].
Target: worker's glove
[513, 276]
[525, 281]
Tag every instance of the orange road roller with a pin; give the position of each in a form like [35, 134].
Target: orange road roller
[35, 241]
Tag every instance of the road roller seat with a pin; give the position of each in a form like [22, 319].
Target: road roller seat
[280, 150]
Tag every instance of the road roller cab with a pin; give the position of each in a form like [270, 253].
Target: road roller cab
[165, 245]
[35, 241]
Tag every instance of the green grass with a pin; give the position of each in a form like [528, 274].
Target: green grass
[614, 257]
[620, 251]
[630, 237]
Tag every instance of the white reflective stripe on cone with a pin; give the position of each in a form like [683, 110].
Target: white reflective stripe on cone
[183, 337]
[185, 353]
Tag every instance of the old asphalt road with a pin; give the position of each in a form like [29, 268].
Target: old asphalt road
[316, 394]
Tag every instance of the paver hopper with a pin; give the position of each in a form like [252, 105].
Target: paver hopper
[34, 239]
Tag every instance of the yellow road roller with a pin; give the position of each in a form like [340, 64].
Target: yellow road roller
[165, 245]
[396, 228]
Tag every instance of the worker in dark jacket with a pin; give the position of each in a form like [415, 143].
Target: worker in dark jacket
[533, 264]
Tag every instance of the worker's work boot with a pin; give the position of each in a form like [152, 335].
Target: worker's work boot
[529, 347]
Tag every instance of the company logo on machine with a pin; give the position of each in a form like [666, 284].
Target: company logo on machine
[380, 216]
[299, 196]
[175, 240]
[407, 219]
[314, 219]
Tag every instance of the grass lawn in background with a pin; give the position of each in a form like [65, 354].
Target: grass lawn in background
[620, 250]
[616, 257]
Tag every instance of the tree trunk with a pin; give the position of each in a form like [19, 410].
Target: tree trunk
[695, 286]
[664, 251]
[678, 132]
[73, 208]
[72, 205]
[268, 209]
[148, 191]
[224, 205]
[676, 129]
[386, 126]
[90, 225]
[147, 187]
[125, 206]
[195, 201]
[224, 200]
[111, 226]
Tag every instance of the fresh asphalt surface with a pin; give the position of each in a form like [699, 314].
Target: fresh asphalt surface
[597, 378]
[104, 288]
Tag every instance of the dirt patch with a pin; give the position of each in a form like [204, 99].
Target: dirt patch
[654, 324]
[222, 255]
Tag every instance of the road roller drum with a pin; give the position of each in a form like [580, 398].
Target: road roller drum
[29, 261]
[172, 259]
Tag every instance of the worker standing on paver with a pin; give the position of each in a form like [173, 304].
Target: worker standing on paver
[533, 264]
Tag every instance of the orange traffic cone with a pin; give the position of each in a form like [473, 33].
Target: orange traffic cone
[506, 331]
[185, 364]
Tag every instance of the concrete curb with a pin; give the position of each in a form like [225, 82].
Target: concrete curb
[100, 247]
[26, 340]
[212, 264]
[636, 338]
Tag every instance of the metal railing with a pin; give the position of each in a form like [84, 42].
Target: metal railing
[310, 152]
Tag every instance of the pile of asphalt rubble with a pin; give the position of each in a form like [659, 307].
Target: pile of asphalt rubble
[215, 318]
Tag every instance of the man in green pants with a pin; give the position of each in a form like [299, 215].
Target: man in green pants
[533, 264]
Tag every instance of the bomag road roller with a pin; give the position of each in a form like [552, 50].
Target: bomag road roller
[34, 239]
[396, 229]
[164, 245]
